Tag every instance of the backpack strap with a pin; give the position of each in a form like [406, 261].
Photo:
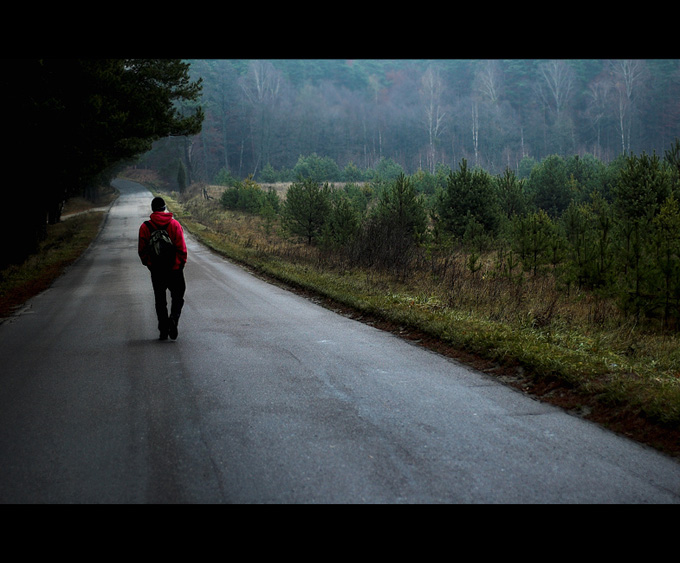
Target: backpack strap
[152, 228]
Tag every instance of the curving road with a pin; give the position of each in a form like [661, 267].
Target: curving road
[268, 398]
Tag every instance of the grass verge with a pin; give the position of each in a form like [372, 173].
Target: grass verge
[623, 378]
[65, 243]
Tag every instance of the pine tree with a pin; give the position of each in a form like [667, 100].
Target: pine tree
[468, 194]
[643, 185]
[532, 237]
[666, 240]
[548, 185]
[83, 116]
[306, 208]
[401, 206]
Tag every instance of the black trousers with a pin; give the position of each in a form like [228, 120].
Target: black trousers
[164, 280]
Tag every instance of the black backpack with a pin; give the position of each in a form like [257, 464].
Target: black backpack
[162, 251]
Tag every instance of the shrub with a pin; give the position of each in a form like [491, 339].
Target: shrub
[248, 196]
[317, 168]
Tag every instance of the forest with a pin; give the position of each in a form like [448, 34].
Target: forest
[262, 116]
[566, 167]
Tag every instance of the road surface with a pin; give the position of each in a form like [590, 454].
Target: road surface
[266, 397]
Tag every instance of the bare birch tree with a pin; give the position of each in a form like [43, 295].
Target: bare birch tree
[475, 129]
[261, 86]
[557, 85]
[431, 94]
[488, 81]
[486, 90]
[628, 77]
[598, 96]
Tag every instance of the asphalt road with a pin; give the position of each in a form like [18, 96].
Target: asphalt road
[266, 397]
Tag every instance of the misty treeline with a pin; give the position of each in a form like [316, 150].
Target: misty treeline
[69, 122]
[610, 229]
[262, 116]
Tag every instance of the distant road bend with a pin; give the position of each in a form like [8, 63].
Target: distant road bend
[266, 397]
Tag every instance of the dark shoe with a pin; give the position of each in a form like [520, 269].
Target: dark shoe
[172, 329]
[163, 328]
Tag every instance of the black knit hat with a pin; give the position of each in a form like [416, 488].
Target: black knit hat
[158, 204]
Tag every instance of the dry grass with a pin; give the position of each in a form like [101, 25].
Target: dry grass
[65, 242]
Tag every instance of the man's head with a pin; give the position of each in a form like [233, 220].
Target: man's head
[158, 204]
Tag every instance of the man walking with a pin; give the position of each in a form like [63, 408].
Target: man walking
[163, 250]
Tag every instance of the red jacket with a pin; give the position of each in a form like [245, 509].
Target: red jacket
[164, 220]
